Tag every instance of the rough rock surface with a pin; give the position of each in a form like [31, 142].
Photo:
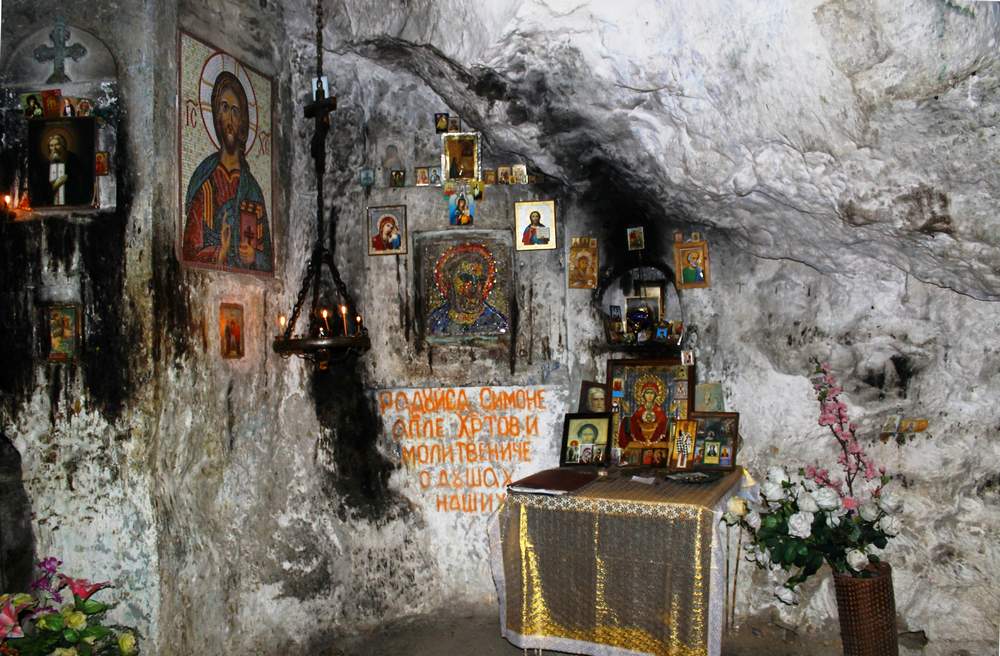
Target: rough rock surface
[841, 158]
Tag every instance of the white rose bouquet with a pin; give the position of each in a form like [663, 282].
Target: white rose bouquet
[809, 518]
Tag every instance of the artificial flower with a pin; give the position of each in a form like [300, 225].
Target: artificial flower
[800, 524]
[786, 595]
[10, 627]
[763, 557]
[777, 475]
[752, 519]
[806, 502]
[64, 651]
[850, 503]
[772, 491]
[868, 511]
[75, 620]
[730, 519]
[890, 525]
[827, 498]
[82, 588]
[50, 565]
[857, 559]
[832, 520]
[126, 643]
[737, 506]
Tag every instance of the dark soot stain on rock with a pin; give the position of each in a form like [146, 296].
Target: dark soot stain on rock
[905, 371]
[19, 279]
[343, 406]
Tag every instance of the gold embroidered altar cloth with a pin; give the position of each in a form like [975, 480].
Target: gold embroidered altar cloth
[616, 568]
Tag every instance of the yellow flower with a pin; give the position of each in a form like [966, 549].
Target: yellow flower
[64, 651]
[76, 621]
[126, 643]
[22, 599]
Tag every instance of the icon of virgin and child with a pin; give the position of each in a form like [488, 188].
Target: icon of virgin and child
[465, 275]
[648, 422]
[226, 223]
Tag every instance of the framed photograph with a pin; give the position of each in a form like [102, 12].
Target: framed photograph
[397, 178]
[64, 332]
[708, 397]
[61, 162]
[387, 230]
[460, 155]
[585, 439]
[519, 174]
[434, 175]
[441, 122]
[691, 264]
[682, 444]
[687, 357]
[231, 330]
[366, 177]
[461, 209]
[535, 225]
[593, 397]
[717, 440]
[31, 105]
[464, 286]
[421, 176]
[224, 125]
[636, 238]
[454, 124]
[320, 84]
[503, 175]
[583, 263]
[647, 396]
[490, 176]
[478, 189]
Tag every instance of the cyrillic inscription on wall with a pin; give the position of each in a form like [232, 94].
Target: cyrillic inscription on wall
[462, 446]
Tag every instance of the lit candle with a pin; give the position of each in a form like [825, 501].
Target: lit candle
[6, 200]
[343, 317]
[282, 320]
[358, 319]
[323, 313]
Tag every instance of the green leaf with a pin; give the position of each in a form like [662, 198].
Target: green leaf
[770, 521]
[51, 622]
[91, 607]
[790, 550]
[814, 562]
[880, 541]
[95, 631]
[803, 549]
[71, 636]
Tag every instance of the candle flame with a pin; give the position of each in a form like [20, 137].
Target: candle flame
[323, 313]
[282, 320]
[343, 309]
[6, 199]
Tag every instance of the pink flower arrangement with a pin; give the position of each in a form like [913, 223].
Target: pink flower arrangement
[807, 518]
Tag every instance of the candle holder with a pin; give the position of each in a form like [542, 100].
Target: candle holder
[319, 345]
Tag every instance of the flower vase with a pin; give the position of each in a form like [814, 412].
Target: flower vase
[867, 609]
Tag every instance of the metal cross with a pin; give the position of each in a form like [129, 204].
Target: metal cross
[59, 51]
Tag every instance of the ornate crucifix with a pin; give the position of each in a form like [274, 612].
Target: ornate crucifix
[59, 51]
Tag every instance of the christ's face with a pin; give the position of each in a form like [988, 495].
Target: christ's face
[231, 112]
[588, 434]
[535, 218]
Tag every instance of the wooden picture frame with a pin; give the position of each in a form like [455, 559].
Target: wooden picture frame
[723, 429]
[585, 440]
[646, 396]
[593, 397]
[691, 265]
[460, 156]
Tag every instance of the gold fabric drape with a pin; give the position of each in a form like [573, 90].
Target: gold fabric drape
[617, 563]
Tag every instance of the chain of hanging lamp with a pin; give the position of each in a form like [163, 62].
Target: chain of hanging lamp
[322, 344]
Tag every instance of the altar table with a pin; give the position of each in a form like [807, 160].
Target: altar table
[616, 568]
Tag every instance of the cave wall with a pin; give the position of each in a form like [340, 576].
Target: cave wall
[253, 505]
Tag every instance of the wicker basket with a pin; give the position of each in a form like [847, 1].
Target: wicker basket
[867, 609]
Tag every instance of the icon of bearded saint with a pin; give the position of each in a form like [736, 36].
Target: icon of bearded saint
[226, 223]
[464, 276]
